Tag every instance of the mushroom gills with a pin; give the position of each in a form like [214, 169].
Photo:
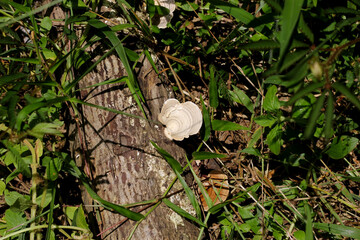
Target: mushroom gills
[181, 119]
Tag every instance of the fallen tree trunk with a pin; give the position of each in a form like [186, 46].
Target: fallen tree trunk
[123, 164]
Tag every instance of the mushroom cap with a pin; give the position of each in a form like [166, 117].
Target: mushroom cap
[181, 119]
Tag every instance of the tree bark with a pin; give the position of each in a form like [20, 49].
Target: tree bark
[124, 165]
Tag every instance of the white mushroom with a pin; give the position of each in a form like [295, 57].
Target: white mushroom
[181, 119]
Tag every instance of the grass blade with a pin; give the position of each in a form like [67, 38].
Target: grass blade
[213, 90]
[175, 165]
[75, 171]
[206, 129]
[11, 78]
[308, 228]
[201, 186]
[339, 229]
[207, 155]
[120, 50]
[329, 115]
[315, 113]
[221, 125]
[51, 213]
[347, 93]
[29, 13]
[304, 91]
[290, 16]
[182, 212]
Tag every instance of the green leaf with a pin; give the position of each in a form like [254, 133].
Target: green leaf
[293, 57]
[251, 151]
[79, 219]
[46, 24]
[13, 219]
[342, 146]
[347, 93]
[290, 15]
[207, 155]
[274, 4]
[148, 56]
[265, 120]
[255, 137]
[120, 27]
[201, 186]
[11, 78]
[49, 233]
[206, 129]
[150, 6]
[162, 11]
[240, 14]
[32, 107]
[182, 212]
[261, 45]
[274, 140]
[304, 91]
[351, 232]
[309, 222]
[190, 7]
[11, 197]
[299, 235]
[302, 107]
[239, 96]
[20, 164]
[329, 113]
[305, 28]
[213, 89]
[271, 102]
[24, 60]
[175, 165]
[40, 129]
[21, 204]
[2, 187]
[315, 113]
[120, 50]
[221, 125]
[110, 81]
[296, 74]
[53, 168]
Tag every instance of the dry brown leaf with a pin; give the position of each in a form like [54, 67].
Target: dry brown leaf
[217, 186]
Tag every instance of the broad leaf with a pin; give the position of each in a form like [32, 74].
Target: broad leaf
[265, 120]
[239, 96]
[271, 102]
[274, 139]
[342, 146]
